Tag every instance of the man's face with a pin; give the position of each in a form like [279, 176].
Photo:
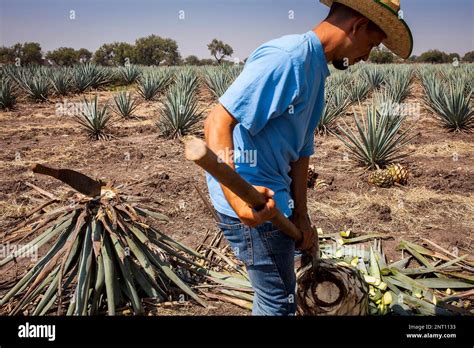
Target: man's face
[358, 44]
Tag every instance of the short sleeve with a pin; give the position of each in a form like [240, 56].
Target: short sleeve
[308, 147]
[264, 90]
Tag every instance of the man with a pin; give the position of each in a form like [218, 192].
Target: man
[264, 128]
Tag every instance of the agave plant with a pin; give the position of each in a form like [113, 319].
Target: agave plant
[398, 83]
[187, 79]
[336, 102]
[93, 119]
[104, 255]
[234, 71]
[450, 104]
[61, 81]
[125, 104]
[89, 75]
[462, 74]
[341, 78]
[359, 89]
[180, 111]
[151, 83]
[34, 81]
[374, 76]
[379, 140]
[129, 73]
[216, 80]
[387, 107]
[7, 96]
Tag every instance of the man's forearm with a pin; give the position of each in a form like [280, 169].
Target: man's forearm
[218, 130]
[219, 135]
[299, 188]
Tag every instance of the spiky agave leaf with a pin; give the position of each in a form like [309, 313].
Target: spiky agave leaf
[389, 108]
[337, 101]
[378, 141]
[152, 82]
[180, 111]
[105, 255]
[94, 119]
[340, 78]
[129, 73]
[125, 104]
[187, 79]
[218, 79]
[233, 71]
[89, 75]
[450, 104]
[7, 95]
[33, 80]
[374, 75]
[61, 81]
[398, 84]
[359, 88]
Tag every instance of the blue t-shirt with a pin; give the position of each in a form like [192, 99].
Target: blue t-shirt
[277, 100]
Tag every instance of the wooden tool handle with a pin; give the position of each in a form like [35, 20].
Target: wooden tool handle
[41, 169]
[197, 151]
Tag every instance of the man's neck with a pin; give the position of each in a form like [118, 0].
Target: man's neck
[328, 34]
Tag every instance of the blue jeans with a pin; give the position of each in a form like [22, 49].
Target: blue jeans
[268, 255]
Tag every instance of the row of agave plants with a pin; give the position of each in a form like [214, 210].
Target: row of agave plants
[38, 83]
[391, 86]
[179, 112]
[379, 133]
[448, 94]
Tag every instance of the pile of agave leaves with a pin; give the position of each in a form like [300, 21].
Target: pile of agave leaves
[107, 258]
[425, 282]
[103, 257]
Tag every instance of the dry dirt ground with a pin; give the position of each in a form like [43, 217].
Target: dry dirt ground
[437, 203]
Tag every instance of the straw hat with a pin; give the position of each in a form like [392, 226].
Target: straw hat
[384, 13]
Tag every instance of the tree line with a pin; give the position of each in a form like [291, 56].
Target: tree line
[150, 50]
[384, 56]
[155, 50]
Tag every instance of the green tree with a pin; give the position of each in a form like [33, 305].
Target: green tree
[31, 53]
[468, 57]
[26, 53]
[433, 56]
[155, 50]
[208, 62]
[192, 60]
[63, 56]
[6, 55]
[381, 56]
[115, 54]
[84, 55]
[453, 57]
[219, 50]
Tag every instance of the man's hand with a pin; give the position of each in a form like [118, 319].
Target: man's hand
[249, 216]
[302, 221]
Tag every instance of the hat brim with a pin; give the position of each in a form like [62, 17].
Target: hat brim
[399, 37]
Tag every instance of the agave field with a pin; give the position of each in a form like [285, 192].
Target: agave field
[391, 187]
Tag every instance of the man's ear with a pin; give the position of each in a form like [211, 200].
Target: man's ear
[359, 24]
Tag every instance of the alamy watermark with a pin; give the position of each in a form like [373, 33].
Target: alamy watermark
[401, 109]
[66, 108]
[238, 156]
[18, 250]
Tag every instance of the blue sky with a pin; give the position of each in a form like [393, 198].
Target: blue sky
[244, 24]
